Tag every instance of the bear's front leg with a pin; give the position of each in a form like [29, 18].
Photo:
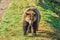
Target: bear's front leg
[29, 29]
[34, 29]
[25, 28]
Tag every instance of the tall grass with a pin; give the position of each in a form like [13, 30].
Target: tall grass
[11, 23]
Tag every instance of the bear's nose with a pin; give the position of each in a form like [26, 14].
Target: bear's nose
[32, 17]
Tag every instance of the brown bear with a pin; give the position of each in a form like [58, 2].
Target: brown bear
[31, 18]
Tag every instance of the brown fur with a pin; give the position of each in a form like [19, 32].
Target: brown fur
[31, 16]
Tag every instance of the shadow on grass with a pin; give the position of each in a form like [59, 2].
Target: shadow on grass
[47, 34]
[48, 5]
[36, 36]
[52, 35]
[54, 22]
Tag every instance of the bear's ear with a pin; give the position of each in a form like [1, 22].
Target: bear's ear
[28, 13]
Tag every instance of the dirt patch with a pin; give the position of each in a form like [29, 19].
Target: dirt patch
[3, 6]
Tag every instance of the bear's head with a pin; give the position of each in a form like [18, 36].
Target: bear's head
[30, 16]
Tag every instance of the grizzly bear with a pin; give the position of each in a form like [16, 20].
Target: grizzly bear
[31, 18]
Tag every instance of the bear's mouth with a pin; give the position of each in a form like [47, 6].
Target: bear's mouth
[30, 22]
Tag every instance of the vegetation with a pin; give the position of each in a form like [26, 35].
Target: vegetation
[11, 23]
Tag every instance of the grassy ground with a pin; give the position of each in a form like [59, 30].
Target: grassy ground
[11, 23]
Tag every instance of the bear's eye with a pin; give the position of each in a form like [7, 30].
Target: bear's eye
[34, 14]
[27, 14]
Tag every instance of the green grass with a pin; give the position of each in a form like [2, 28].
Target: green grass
[11, 23]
